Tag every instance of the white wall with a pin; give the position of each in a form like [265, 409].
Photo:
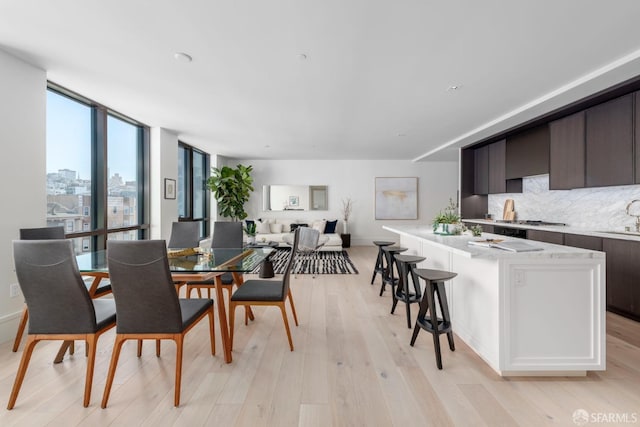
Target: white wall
[22, 168]
[438, 181]
[164, 164]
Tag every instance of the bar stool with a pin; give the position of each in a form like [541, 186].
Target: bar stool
[379, 268]
[388, 277]
[402, 292]
[435, 326]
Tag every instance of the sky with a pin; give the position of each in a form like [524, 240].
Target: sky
[69, 140]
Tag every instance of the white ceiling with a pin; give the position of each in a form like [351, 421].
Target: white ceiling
[373, 86]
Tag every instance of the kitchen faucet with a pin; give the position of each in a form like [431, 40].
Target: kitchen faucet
[637, 216]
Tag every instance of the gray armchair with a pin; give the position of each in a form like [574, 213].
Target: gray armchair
[59, 304]
[147, 304]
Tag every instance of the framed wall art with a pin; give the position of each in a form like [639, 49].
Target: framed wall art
[169, 188]
[396, 198]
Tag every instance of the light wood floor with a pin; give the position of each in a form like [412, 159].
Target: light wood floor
[352, 366]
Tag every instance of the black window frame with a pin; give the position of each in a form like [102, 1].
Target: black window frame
[189, 187]
[100, 231]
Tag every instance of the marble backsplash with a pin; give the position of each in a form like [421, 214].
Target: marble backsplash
[602, 208]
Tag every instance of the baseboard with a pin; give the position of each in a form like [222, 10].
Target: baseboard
[9, 326]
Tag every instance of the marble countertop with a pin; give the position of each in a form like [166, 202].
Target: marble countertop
[460, 246]
[610, 234]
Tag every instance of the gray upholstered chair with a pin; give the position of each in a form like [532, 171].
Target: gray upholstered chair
[60, 307]
[185, 234]
[147, 304]
[226, 235]
[267, 292]
[102, 287]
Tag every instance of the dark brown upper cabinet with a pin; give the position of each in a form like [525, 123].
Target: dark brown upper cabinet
[609, 143]
[489, 169]
[481, 170]
[567, 151]
[497, 162]
[527, 153]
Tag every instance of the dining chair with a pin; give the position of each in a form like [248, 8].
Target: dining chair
[267, 292]
[48, 233]
[185, 234]
[226, 235]
[59, 304]
[147, 305]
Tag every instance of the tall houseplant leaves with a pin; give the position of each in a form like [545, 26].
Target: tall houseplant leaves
[231, 188]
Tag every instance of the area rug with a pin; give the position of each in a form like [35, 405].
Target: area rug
[315, 263]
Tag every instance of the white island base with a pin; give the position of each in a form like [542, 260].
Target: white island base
[526, 314]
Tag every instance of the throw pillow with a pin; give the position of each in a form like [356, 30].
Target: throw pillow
[319, 225]
[262, 227]
[286, 224]
[294, 226]
[330, 227]
[275, 228]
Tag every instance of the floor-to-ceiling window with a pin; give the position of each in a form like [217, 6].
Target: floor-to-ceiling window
[193, 195]
[97, 171]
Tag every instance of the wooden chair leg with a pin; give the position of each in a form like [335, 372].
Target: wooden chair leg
[179, 339]
[22, 370]
[293, 307]
[286, 324]
[72, 347]
[117, 346]
[91, 344]
[157, 348]
[21, 326]
[139, 348]
[232, 319]
[212, 332]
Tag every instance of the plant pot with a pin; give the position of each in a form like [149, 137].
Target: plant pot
[251, 239]
[446, 229]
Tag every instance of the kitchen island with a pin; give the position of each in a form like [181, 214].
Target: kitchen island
[525, 313]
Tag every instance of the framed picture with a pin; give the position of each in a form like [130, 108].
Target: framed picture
[169, 188]
[396, 198]
[294, 201]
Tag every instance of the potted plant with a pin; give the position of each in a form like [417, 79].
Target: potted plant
[447, 222]
[250, 229]
[231, 187]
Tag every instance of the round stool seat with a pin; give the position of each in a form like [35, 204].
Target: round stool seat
[434, 275]
[410, 259]
[383, 243]
[394, 249]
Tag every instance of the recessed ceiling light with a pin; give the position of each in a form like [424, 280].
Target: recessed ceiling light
[182, 57]
[402, 134]
[267, 146]
[302, 56]
[454, 88]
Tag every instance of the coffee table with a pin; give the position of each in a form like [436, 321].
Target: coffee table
[266, 267]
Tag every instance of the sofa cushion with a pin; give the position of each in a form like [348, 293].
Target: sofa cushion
[319, 225]
[294, 226]
[263, 227]
[286, 224]
[276, 228]
[330, 226]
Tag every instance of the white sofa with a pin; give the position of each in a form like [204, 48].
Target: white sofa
[275, 230]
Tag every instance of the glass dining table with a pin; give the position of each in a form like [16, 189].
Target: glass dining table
[191, 265]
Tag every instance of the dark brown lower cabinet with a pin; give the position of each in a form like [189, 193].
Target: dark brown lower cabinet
[584, 242]
[546, 236]
[623, 276]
